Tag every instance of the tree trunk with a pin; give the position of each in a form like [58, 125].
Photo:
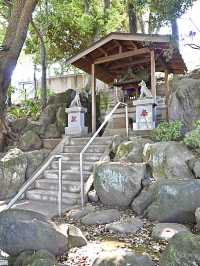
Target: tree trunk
[44, 66]
[21, 12]
[175, 32]
[44, 75]
[107, 4]
[132, 18]
[35, 82]
[87, 6]
[141, 24]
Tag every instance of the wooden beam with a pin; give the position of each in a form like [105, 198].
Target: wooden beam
[153, 74]
[133, 45]
[119, 45]
[93, 99]
[101, 69]
[121, 55]
[127, 64]
[120, 36]
[103, 51]
[167, 93]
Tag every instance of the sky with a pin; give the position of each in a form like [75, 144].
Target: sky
[188, 22]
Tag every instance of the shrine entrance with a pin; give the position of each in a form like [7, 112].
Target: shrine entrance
[123, 60]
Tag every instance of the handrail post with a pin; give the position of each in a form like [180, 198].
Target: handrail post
[60, 186]
[126, 108]
[82, 181]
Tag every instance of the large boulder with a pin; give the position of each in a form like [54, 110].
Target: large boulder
[35, 159]
[184, 104]
[131, 226]
[12, 173]
[194, 165]
[101, 217]
[31, 258]
[132, 150]
[62, 98]
[18, 125]
[143, 200]
[165, 231]
[169, 160]
[75, 237]
[121, 257]
[61, 119]
[30, 141]
[183, 250]
[118, 183]
[48, 116]
[35, 126]
[22, 230]
[52, 132]
[175, 201]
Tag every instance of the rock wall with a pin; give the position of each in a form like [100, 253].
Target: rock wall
[185, 101]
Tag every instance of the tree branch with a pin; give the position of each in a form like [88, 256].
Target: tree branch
[193, 46]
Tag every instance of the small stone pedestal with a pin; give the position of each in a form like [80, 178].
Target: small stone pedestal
[76, 122]
[145, 114]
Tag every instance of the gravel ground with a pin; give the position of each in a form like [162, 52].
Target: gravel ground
[99, 240]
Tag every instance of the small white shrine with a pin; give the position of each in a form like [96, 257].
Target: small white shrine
[145, 109]
[76, 118]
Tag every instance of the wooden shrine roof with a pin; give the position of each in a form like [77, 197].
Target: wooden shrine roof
[117, 52]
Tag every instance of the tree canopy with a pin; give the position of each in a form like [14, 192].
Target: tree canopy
[71, 26]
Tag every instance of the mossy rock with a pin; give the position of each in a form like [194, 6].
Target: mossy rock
[183, 249]
[132, 150]
[61, 119]
[30, 141]
[124, 149]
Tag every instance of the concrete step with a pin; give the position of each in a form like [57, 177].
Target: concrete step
[52, 196]
[98, 140]
[115, 131]
[52, 184]
[46, 208]
[73, 165]
[91, 149]
[66, 175]
[94, 157]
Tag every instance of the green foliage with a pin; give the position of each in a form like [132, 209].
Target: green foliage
[17, 112]
[29, 109]
[168, 131]
[32, 109]
[69, 28]
[192, 138]
[164, 12]
[197, 124]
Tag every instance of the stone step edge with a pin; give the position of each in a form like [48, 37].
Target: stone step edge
[70, 195]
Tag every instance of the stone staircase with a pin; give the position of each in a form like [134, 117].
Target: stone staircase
[46, 188]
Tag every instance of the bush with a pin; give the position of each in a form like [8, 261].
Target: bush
[192, 139]
[32, 109]
[167, 131]
[17, 112]
[29, 108]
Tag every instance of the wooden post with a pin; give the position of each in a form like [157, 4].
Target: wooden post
[167, 92]
[93, 99]
[153, 74]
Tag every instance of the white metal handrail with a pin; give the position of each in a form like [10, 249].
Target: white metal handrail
[29, 182]
[107, 118]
